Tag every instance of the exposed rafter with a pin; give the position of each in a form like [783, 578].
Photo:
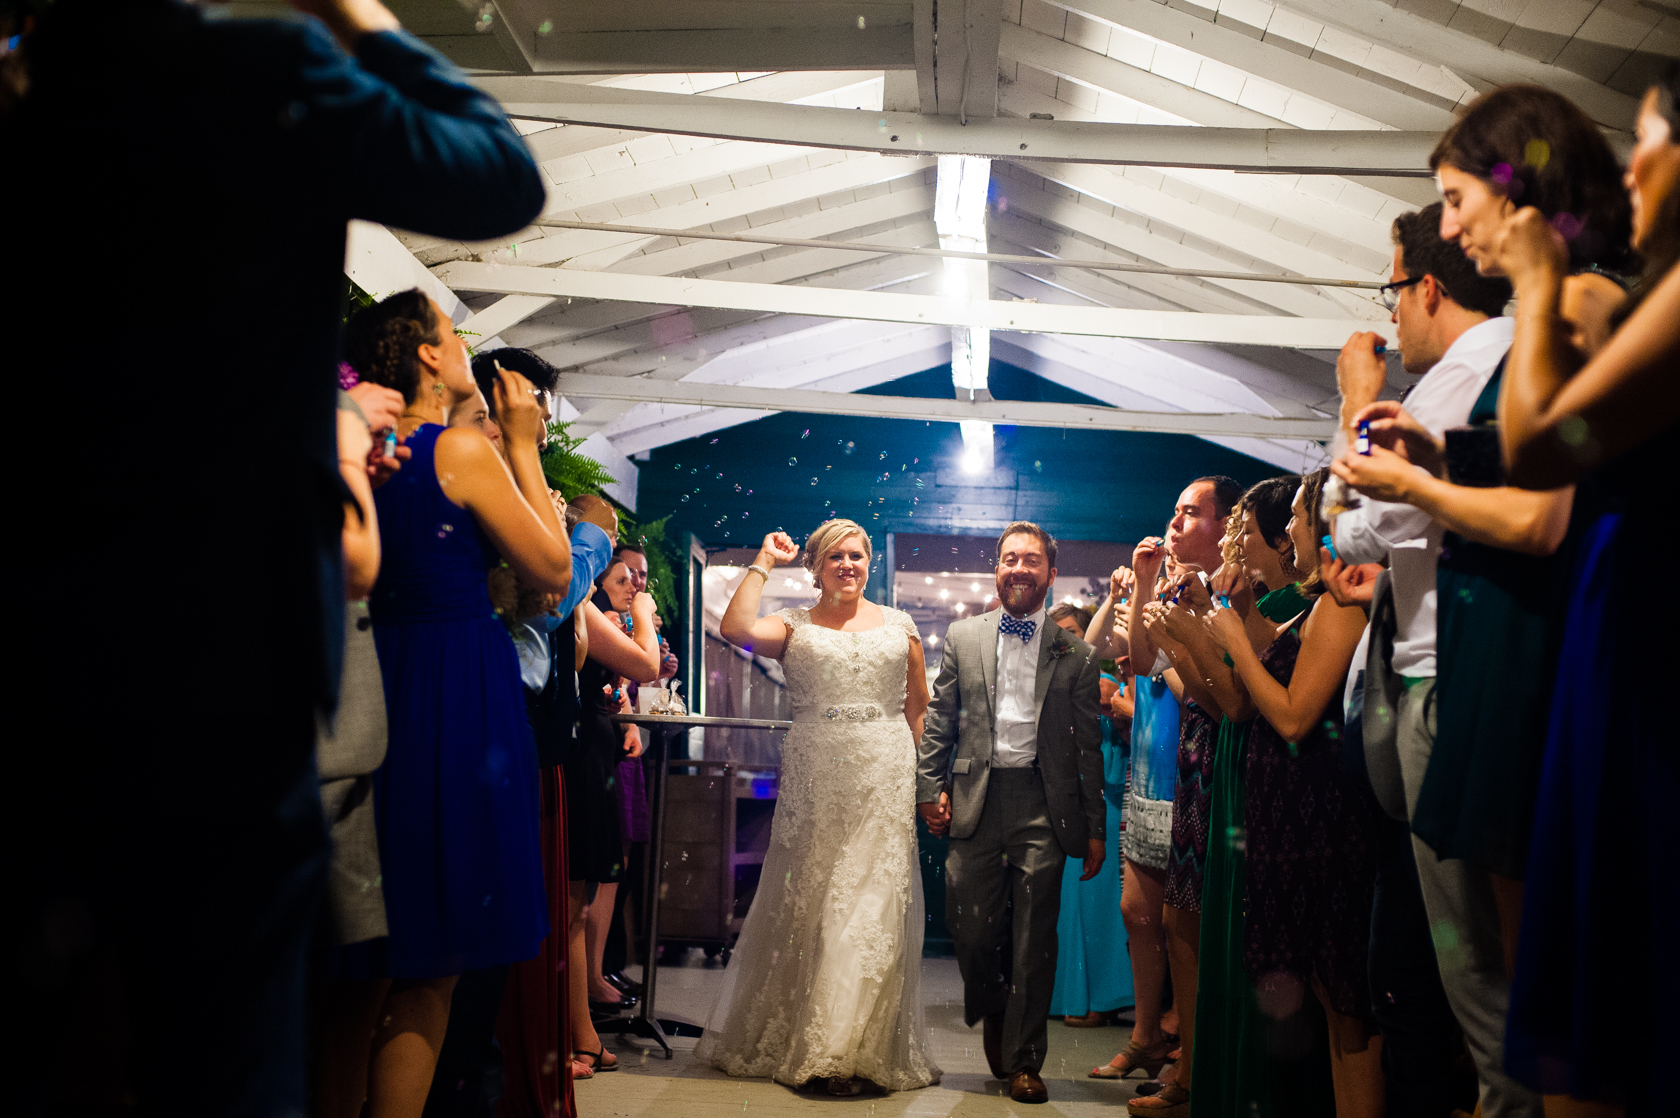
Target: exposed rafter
[1021, 413]
[1280, 150]
[880, 306]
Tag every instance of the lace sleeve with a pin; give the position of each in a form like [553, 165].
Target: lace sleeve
[792, 616]
[905, 622]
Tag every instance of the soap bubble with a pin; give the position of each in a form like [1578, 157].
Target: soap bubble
[793, 461]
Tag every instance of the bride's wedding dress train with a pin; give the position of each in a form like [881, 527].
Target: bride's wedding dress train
[825, 980]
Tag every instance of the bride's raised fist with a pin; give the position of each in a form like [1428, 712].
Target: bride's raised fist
[779, 548]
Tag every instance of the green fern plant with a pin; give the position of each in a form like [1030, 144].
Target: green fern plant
[567, 470]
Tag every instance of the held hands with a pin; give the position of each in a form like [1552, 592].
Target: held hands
[1530, 250]
[1155, 621]
[1094, 855]
[778, 548]
[1361, 372]
[1381, 475]
[937, 815]
[382, 406]
[1393, 428]
[641, 611]
[1226, 629]
[1350, 585]
[1147, 558]
[1233, 583]
[595, 510]
[517, 411]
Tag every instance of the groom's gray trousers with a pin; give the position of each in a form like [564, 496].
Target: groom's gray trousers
[1008, 958]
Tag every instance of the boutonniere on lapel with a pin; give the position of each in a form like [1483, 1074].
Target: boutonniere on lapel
[1059, 644]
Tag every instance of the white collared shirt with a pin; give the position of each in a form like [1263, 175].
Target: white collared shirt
[1406, 536]
[1016, 728]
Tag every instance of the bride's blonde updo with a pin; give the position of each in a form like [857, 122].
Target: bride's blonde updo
[827, 535]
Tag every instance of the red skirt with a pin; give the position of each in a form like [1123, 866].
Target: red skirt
[535, 1029]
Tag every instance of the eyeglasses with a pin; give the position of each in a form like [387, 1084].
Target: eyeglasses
[1389, 293]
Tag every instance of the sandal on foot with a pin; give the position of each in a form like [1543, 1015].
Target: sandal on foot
[597, 1059]
[1150, 1059]
[581, 1070]
[1172, 1101]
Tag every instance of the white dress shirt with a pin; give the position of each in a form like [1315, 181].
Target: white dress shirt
[1404, 535]
[1016, 729]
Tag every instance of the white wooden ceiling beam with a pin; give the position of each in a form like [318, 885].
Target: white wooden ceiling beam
[618, 329]
[1242, 149]
[656, 36]
[646, 426]
[1156, 245]
[1465, 54]
[1042, 356]
[1132, 191]
[1316, 333]
[793, 85]
[823, 223]
[1226, 44]
[381, 265]
[1018, 412]
[1061, 58]
[508, 311]
[589, 319]
[599, 250]
[775, 347]
[966, 58]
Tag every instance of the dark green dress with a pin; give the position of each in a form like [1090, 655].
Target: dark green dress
[1245, 1067]
[1499, 620]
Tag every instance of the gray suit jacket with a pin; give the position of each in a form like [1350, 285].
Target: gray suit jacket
[956, 748]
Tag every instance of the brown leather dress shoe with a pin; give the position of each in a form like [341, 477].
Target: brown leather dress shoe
[991, 1040]
[1028, 1087]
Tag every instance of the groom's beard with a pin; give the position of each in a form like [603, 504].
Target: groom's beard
[1022, 595]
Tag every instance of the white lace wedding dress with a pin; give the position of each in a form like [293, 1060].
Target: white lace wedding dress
[826, 977]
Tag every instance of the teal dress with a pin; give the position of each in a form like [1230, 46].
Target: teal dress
[1499, 617]
[1093, 969]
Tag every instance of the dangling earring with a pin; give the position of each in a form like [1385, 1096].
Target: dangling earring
[437, 388]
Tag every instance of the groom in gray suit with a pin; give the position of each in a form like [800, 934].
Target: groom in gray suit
[1011, 767]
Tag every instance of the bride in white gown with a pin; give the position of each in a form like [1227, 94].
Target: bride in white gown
[825, 981]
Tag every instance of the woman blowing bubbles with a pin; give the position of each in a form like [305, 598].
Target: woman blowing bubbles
[1597, 974]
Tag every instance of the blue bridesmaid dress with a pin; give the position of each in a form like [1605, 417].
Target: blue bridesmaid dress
[457, 798]
[1093, 968]
[1593, 1004]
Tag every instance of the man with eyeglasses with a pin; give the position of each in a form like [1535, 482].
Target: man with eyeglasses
[1451, 331]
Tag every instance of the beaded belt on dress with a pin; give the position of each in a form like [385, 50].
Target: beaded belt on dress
[847, 712]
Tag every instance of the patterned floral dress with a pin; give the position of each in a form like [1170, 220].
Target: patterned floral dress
[1312, 857]
[1192, 798]
[826, 976]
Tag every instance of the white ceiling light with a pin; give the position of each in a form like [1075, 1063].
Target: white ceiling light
[959, 215]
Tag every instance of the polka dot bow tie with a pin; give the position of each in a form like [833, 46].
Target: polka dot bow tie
[1019, 626]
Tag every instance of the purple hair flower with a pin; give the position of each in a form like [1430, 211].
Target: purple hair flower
[347, 378]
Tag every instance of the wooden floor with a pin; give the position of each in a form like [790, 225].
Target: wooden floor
[648, 1086]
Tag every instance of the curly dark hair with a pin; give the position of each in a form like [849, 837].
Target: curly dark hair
[1424, 253]
[381, 342]
[1538, 148]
